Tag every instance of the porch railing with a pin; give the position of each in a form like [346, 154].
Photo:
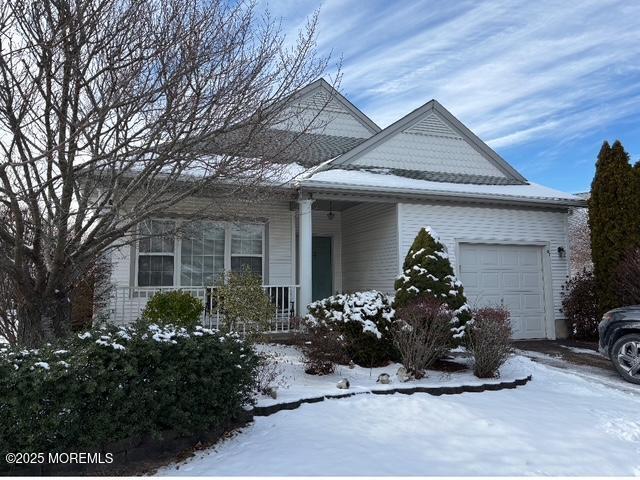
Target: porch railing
[127, 303]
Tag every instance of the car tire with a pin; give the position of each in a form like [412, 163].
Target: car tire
[624, 355]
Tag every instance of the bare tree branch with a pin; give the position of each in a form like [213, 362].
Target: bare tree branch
[113, 111]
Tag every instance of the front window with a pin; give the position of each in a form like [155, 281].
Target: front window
[157, 252]
[246, 248]
[199, 257]
[202, 254]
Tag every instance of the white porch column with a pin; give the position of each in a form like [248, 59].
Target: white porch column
[305, 236]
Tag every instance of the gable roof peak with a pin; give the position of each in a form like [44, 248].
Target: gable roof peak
[439, 122]
[323, 84]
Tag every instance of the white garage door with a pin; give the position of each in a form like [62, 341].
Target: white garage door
[508, 274]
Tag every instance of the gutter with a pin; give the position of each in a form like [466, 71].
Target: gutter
[324, 187]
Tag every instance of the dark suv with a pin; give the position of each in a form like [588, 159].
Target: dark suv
[619, 333]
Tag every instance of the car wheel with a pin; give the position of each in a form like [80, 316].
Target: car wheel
[625, 356]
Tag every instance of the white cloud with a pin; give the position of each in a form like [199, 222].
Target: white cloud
[513, 71]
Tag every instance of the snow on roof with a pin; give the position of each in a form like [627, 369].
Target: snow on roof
[384, 182]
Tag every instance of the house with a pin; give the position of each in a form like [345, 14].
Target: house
[348, 221]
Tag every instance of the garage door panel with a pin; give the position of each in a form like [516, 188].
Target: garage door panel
[512, 302]
[532, 302]
[509, 275]
[530, 258]
[531, 280]
[509, 257]
[490, 279]
[484, 300]
[489, 257]
[469, 279]
[530, 324]
[510, 280]
[469, 257]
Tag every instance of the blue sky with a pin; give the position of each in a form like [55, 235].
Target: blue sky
[542, 82]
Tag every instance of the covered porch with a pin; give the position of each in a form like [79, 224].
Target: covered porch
[304, 250]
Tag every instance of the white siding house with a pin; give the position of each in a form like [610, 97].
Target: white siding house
[346, 224]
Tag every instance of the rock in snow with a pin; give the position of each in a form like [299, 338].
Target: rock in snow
[343, 384]
[403, 375]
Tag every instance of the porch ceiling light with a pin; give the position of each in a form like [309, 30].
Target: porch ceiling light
[331, 215]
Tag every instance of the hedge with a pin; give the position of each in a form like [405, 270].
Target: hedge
[116, 383]
[363, 321]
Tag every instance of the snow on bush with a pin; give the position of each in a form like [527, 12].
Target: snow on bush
[427, 273]
[113, 383]
[362, 321]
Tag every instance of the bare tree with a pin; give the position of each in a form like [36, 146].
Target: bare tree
[114, 110]
[579, 241]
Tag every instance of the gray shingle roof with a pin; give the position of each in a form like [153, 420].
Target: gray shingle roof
[438, 176]
[310, 149]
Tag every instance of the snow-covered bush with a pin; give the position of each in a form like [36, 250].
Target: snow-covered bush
[488, 339]
[173, 308]
[422, 333]
[359, 322]
[580, 306]
[427, 272]
[114, 383]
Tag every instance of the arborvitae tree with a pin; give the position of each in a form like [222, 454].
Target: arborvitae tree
[614, 219]
[427, 272]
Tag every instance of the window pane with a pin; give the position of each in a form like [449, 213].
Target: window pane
[202, 254]
[167, 244]
[155, 271]
[246, 240]
[145, 245]
[159, 236]
[254, 263]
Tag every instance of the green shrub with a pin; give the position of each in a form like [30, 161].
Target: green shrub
[175, 307]
[427, 273]
[244, 303]
[114, 383]
[362, 320]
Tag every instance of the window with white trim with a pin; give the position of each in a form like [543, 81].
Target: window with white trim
[246, 248]
[156, 253]
[202, 254]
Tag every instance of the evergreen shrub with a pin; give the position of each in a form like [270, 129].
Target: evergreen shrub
[358, 325]
[175, 307]
[115, 383]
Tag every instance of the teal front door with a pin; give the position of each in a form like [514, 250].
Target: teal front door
[322, 285]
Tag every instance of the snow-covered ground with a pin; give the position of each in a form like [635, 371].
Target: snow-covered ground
[293, 384]
[558, 424]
